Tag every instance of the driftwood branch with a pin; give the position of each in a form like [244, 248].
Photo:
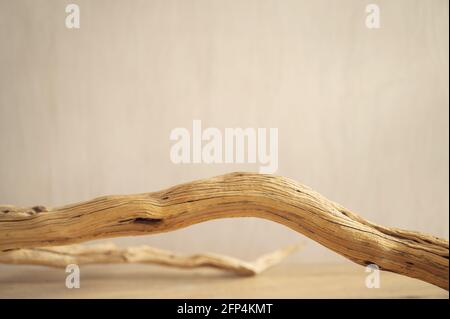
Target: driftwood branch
[62, 256]
[270, 197]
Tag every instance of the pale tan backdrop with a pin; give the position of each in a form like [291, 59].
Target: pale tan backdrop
[362, 114]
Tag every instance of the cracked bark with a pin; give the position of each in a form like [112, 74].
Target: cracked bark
[275, 198]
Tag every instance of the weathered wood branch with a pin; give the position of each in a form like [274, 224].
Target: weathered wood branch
[61, 256]
[233, 195]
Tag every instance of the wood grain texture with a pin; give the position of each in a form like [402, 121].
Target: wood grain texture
[270, 197]
[61, 256]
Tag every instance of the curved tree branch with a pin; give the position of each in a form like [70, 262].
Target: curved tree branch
[270, 197]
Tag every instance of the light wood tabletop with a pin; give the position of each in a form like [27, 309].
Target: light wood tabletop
[288, 280]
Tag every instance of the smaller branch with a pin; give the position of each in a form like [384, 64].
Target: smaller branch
[62, 256]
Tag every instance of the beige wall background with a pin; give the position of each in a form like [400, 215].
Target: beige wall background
[362, 114]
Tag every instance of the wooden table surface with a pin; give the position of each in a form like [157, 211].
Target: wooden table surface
[148, 281]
